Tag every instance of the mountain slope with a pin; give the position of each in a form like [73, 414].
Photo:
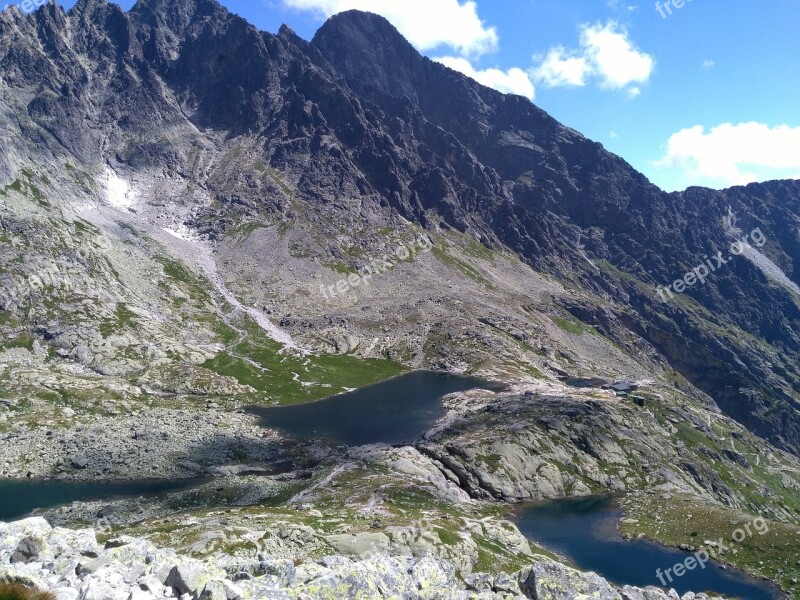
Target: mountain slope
[562, 194]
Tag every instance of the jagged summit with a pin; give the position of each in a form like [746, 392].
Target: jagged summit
[182, 6]
[177, 14]
[370, 52]
[82, 7]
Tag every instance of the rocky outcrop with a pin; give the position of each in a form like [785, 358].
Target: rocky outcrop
[566, 447]
[143, 444]
[74, 566]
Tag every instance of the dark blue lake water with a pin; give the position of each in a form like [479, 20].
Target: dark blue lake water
[391, 412]
[18, 497]
[585, 531]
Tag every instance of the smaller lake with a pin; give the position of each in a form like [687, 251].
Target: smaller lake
[585, 531]
[18, 497]
[396, 411]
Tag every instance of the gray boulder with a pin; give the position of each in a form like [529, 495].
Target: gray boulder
[189, 577]
[79, 461]
[27, 550]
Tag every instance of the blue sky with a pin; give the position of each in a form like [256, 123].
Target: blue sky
[707, 93]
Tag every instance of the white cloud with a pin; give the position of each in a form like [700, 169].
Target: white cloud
[621, 6]
[708, 64]
[615, 59]
[513, 81]
[606, 55]
[559, 68]
[427, 24]
[734, 154]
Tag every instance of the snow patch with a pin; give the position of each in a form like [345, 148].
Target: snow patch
[202, 256]
[755, 256]
[182, 232]
[118, 192]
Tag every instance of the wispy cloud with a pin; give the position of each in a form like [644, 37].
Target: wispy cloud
[622, 6]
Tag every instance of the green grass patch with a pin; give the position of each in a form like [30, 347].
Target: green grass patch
[25, 187]
[569, 326]
[447, 537]
[477, 250]
[493, 557]
[770, 551]
[176, 271]
[24, 340]
[15, 186]
[339, 267]
[256, 361]
[461, 266]
[123, 318]
[195, 287]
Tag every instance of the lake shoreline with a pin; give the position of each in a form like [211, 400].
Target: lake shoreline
[603, 534]
[410, 405]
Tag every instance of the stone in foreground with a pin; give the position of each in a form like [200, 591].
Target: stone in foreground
[75, 567]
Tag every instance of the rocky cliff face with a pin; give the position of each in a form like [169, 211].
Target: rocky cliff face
[565, 204]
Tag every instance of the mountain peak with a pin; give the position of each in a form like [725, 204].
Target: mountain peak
[366, 46]
[350, 21]
[84, 6]
[92, 10]
[167, 5]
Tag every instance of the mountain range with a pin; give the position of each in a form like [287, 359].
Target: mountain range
[191, 211]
